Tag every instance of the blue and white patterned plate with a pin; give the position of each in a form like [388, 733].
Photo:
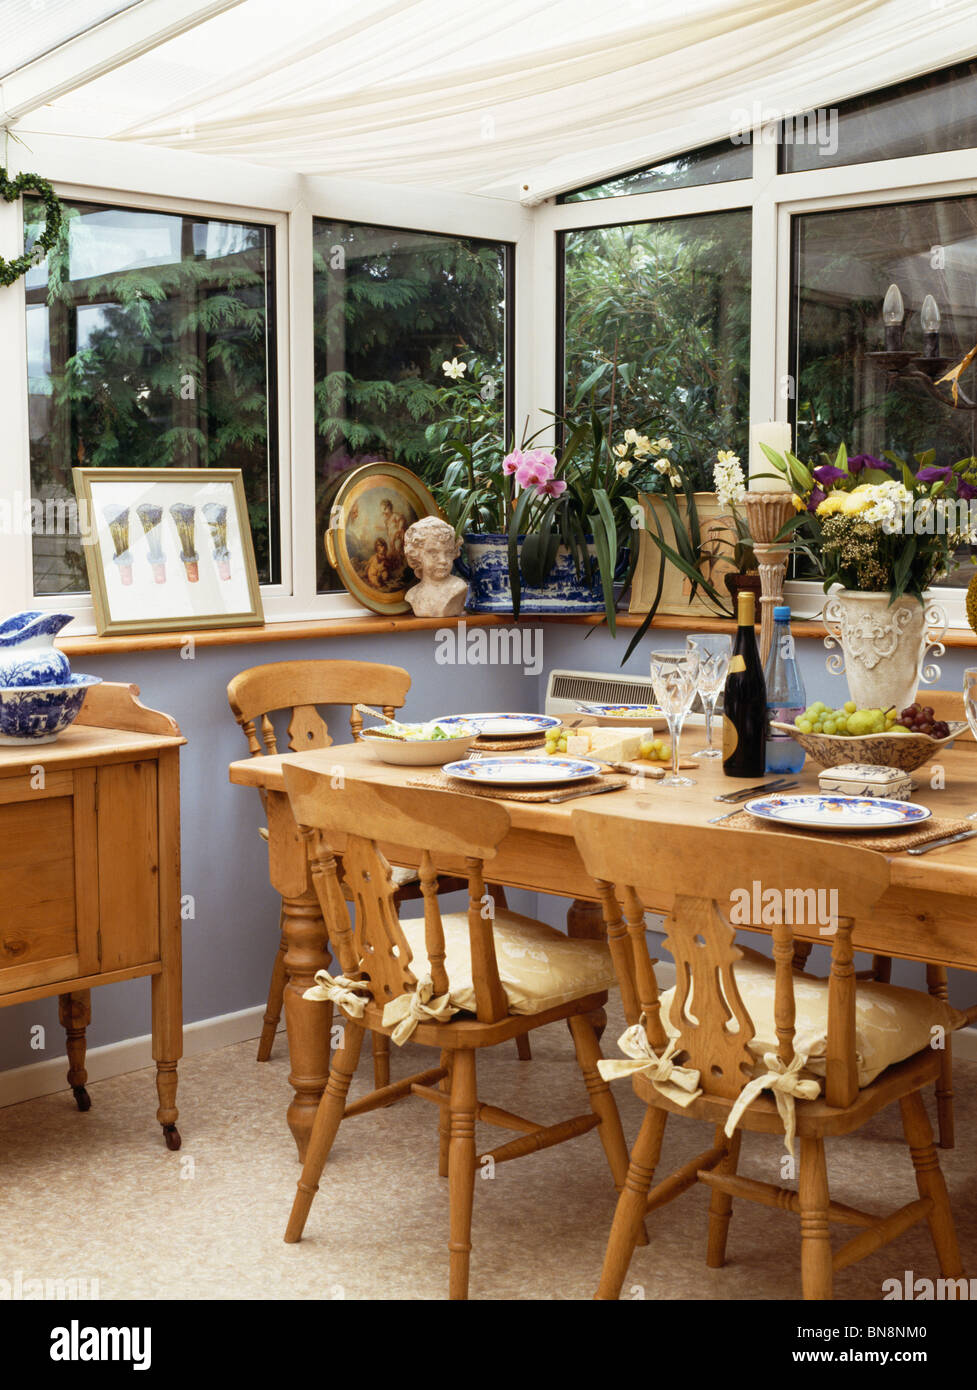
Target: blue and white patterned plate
[620, 711]
[502, 725]
[823, 812]
[523, 772]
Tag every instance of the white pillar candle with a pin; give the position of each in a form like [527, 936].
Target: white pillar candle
[776, 435]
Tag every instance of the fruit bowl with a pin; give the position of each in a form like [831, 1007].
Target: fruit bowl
[906, 751]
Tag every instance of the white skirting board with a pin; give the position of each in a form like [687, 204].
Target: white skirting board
[115, 1059]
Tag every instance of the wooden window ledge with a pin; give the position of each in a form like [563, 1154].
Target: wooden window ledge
[379, 626]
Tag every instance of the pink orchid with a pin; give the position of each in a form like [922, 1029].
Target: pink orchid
[512, 462]
[543, 459]
[530, 473]
[553, 487]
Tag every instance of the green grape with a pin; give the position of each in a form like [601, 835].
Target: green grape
[805, 725]
[829, 726]
[850, 707]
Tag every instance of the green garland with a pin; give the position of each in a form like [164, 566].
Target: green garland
[10, 191]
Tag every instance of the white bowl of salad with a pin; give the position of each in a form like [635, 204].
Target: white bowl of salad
[419, 745]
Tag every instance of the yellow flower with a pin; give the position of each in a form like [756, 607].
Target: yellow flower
[832, 504]
[798, 502]
[727, 456]
[623, 469]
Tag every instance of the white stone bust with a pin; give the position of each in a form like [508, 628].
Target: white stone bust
[430, 548]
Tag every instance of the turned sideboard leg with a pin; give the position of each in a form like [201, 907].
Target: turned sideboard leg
[167, 1011]
[585, 922]
[74, 1015]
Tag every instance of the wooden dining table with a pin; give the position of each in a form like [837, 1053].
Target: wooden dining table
[927, 915]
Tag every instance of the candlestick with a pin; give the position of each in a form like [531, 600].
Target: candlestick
[776, 435]
[767, 513]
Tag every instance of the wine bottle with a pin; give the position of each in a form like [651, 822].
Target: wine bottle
[745, 700]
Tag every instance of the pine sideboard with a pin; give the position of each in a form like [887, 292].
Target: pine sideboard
[90, 875]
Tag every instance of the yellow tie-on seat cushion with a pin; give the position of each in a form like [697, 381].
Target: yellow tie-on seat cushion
[539, 967]
[891, 1023]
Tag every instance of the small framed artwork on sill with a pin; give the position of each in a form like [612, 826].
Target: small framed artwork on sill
[167, 549]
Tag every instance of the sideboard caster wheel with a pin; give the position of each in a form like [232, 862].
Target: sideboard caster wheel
[172, 1136]
[82, 1099]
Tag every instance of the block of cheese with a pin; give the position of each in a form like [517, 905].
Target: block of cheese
[613, 745]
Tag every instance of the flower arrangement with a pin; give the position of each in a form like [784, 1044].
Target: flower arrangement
[876, 524]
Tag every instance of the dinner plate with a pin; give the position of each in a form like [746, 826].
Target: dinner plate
[523, 772]
[630, 716]
[502, 725]
[828, 812]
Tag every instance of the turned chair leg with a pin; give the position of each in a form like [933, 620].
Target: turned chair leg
[444, 1115]
[721, 1203]
[929, 1181]
[74, 1015]
[602, 1103]
[324, 1128]
[936, 983]
[816, 1267]
[630, 1213]
[276, 995]
[381, 1060]
[461, 1171]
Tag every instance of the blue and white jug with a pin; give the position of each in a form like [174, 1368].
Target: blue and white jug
[28, 655]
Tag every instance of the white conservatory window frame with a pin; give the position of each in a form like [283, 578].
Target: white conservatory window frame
[179, 182]
[774, 198]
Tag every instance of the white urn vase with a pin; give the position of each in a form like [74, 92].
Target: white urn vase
[883, 646]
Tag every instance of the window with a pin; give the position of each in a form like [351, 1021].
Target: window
[926, 115]
[150, 343]
[717, 163]
[843, 263]
[391, 307]
[657, 329]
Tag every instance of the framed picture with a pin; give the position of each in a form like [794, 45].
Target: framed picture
[372, 510]
[167, 549]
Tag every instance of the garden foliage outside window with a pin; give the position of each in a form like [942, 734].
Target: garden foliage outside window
[657, 332]
[150, 344]
[391, 309]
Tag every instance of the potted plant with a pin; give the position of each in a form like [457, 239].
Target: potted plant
[544, 529]
[879, 532]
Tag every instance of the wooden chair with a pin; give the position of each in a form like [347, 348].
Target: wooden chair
[715, 1025]
[301, 686]
[377, 955]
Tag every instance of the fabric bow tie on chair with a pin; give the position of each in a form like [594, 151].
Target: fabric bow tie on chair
[408, 1010]
[342, 991]
[786, 1083]
[677, 1083]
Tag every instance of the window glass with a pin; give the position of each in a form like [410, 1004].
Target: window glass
[843, 264]
[719, 163]
[150, 343]
[391, 309]
[657, 330]
[927, 115]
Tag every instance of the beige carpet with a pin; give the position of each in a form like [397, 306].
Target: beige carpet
[97, 1196]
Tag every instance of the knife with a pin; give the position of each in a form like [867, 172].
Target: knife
[947, 840]
[593, 791]
[746, 792]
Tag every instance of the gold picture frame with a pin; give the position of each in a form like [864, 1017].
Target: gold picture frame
[167, 549]
[373, 506]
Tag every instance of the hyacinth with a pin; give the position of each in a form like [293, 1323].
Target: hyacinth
[728, 479]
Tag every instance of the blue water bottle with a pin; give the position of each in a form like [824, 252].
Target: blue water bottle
[785, 695]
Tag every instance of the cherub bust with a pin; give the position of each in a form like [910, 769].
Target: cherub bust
[430, 548]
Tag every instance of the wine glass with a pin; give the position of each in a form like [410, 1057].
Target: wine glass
[674, 676]
[715, 649]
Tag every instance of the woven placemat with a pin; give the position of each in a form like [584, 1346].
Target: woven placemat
[508, 745]
[933, 829]
[438, 781]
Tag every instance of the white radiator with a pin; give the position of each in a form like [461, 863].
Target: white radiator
[566, 689]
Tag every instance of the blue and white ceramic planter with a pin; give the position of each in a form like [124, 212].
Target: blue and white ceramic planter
[39, 713]
[28, 655]
[487, 572]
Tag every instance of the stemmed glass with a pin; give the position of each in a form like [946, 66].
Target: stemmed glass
[970, 707]
[674, 676]
[714, 650]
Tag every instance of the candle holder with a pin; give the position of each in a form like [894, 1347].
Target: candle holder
[767, 513]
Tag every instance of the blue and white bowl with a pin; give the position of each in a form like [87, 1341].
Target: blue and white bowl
[39, 713]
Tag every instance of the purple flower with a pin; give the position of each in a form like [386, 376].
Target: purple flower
[966, 490]
[828, 474]
[860, 461]
[934, 474]
[816, 498]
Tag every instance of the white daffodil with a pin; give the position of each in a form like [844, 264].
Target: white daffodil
[630, 436]
[623, 468]
[621, 450]
[454, 369]
[664, 442]
[662, 465]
